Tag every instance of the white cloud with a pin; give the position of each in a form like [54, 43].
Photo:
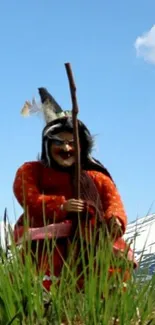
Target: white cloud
[145, 45]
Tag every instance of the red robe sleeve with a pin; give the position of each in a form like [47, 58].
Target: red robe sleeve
[37, 205]
[111, 199]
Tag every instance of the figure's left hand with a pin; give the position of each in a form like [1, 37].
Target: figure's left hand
[115, 227]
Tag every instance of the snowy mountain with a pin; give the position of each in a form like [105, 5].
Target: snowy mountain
[142, 233]
[4, 232]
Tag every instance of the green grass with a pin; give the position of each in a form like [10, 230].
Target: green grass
[23, 299]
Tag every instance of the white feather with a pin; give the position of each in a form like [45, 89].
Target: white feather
[30, 108]
[33, 107]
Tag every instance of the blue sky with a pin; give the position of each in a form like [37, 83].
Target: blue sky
[115, 86]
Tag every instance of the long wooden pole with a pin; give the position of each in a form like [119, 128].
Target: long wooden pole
[75, 111]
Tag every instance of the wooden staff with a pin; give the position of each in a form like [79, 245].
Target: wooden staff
[75, 111]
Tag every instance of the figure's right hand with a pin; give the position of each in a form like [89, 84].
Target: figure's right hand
[73, 205]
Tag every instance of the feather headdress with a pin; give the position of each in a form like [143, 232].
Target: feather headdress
[48, 106]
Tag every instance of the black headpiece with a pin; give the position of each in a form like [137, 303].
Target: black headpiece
[58, 120]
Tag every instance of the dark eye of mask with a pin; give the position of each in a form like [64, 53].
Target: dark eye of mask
[60, 142]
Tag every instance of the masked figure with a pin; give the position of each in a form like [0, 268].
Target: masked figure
[45, 190]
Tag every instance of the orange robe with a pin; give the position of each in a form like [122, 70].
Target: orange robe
[42, 190]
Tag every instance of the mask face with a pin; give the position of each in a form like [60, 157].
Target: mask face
[62, 149]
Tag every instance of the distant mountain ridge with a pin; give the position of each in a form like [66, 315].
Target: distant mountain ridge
[142, 233]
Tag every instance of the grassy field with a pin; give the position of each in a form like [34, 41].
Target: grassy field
[23, 300]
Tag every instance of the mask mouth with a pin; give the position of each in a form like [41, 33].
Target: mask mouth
[65, 154]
